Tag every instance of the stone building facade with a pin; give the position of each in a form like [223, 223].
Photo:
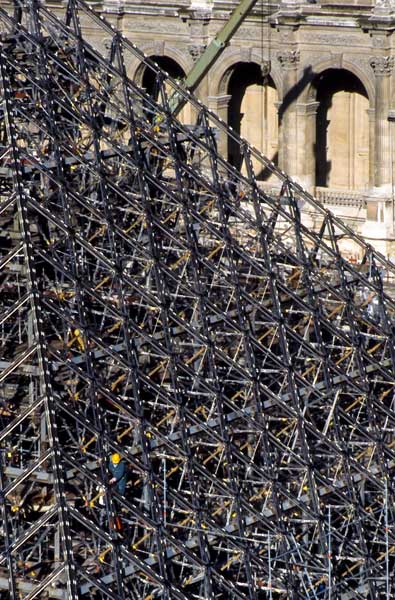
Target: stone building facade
[325, 112]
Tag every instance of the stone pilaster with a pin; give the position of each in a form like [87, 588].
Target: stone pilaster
[289, 61]
[306, 140]
[220, 105]
[382, 67]
[380, 222]
[372, 124]
[198, 17]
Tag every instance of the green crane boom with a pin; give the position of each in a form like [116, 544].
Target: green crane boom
[212, 52]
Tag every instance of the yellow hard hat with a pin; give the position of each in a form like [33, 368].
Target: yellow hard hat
[116, 458]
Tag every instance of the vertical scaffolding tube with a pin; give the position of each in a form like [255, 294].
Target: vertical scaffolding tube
[329, 555]
[387, 565]
[270, 567]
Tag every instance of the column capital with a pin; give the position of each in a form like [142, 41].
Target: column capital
[307, 108]
[382, 65]
[289, 59]
[219, 102]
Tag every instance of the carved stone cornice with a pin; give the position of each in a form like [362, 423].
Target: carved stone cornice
[289, 59]
[382, 65]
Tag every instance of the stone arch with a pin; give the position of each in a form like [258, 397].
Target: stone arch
[168, 64]
[160, 50]
[222, 72]
[342, 130]
[342, 64]
[146, 79]
[252, 103]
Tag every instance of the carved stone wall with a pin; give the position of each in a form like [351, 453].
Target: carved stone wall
[303, 42]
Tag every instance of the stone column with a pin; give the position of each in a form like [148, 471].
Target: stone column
[287, 114]
[391, 208]
[306, 141]
[220, 105]
[382, 67]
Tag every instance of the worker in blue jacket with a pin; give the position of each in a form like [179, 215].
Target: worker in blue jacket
[117, 468]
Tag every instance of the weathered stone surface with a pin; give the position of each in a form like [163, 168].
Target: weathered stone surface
[329, 96]
[382, 65]
[289, 59]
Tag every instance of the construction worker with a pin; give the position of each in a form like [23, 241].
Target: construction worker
[117, 468]
[321, 590]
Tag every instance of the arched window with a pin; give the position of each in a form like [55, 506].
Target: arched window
[342, 142]
[253, 112]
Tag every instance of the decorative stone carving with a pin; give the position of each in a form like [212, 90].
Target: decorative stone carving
[384, 6]
[379, 41]
[196, 50]
[289, 59]
[265, 67]
[285, 34]
[382, 65]
[333, 38]
[245, 54]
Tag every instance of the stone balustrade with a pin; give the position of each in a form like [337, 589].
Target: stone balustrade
[356, 199]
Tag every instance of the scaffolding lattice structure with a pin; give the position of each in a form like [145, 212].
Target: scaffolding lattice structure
[156, 303]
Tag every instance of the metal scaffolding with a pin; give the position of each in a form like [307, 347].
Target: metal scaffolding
[157, 304]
